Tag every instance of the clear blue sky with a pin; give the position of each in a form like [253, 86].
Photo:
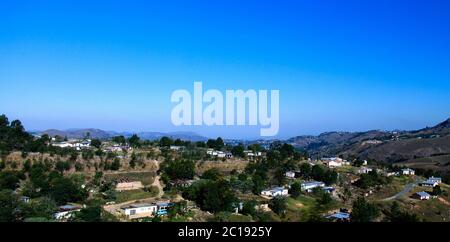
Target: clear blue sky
[339, 65]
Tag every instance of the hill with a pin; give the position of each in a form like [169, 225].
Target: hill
[427, 145]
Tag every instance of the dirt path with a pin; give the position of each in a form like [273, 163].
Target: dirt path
[157, 181]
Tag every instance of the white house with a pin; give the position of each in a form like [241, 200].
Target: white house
[436, 179]
[408, 171]
[65, 212]
[364, 170]
[221, 154]
[290, 174]
[334, 162]
[429, 183]
[422, 195]
[309, 186]
[138, 210]
[276, 191]
[176, 147]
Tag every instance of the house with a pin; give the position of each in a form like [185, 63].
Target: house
[422, 195]
[66, 211]
[176, 147]
[392, 173]
[290, 174]
[309, 186]
[339, 216]
[63, 145]
[228, 155]
[162, 207]
[276, 191]
[181, 183]
[429, 183]
[129, 185]
[407, 171]
[221, 154]
[328, 189]
[364, 170]
[334, 162]
[209, 151]
[436, 179]
[25, 199]
[140, 210]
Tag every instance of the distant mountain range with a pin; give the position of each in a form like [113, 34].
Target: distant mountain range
[102, 134]
[431, 144]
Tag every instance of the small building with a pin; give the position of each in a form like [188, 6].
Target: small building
[436, 179]
[25, 199]
[66, 211]
[290, 174]
[339, 216]
[309, 186]
[140, 210]
[408, 171]
[364, 170]
[334, 162]
[328, 189]
[162, 207]
[209, 151]
[276, 191]
[221, 154]
[228, 155]
[392, 173]
[181, 183]
[176, 147]
[422, 195]
[429, 183]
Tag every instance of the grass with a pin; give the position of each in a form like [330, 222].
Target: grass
[146, 178]
[300, 209]
[125, 196]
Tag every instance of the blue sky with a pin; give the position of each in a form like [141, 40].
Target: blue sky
[339, 65]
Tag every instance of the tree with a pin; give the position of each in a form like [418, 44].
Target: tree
[134, 141]
[133, 160]
[96, 143]
[437, 190]
[119, 140]
[295, 189]
[62, 166]
[179, 169]
[249, 208]
[179, 208]
[397, 215]
[363, 211]
[212, 174]
[8, 206]
[211, 196]
[280, 176]
[305, 170]
[43, 207]
[278, 205]
[64, 190]
[115, 165]
[238, 150]
[89, 214]
[165, 142]
[9, 180]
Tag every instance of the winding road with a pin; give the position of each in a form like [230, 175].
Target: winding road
[408, 187]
